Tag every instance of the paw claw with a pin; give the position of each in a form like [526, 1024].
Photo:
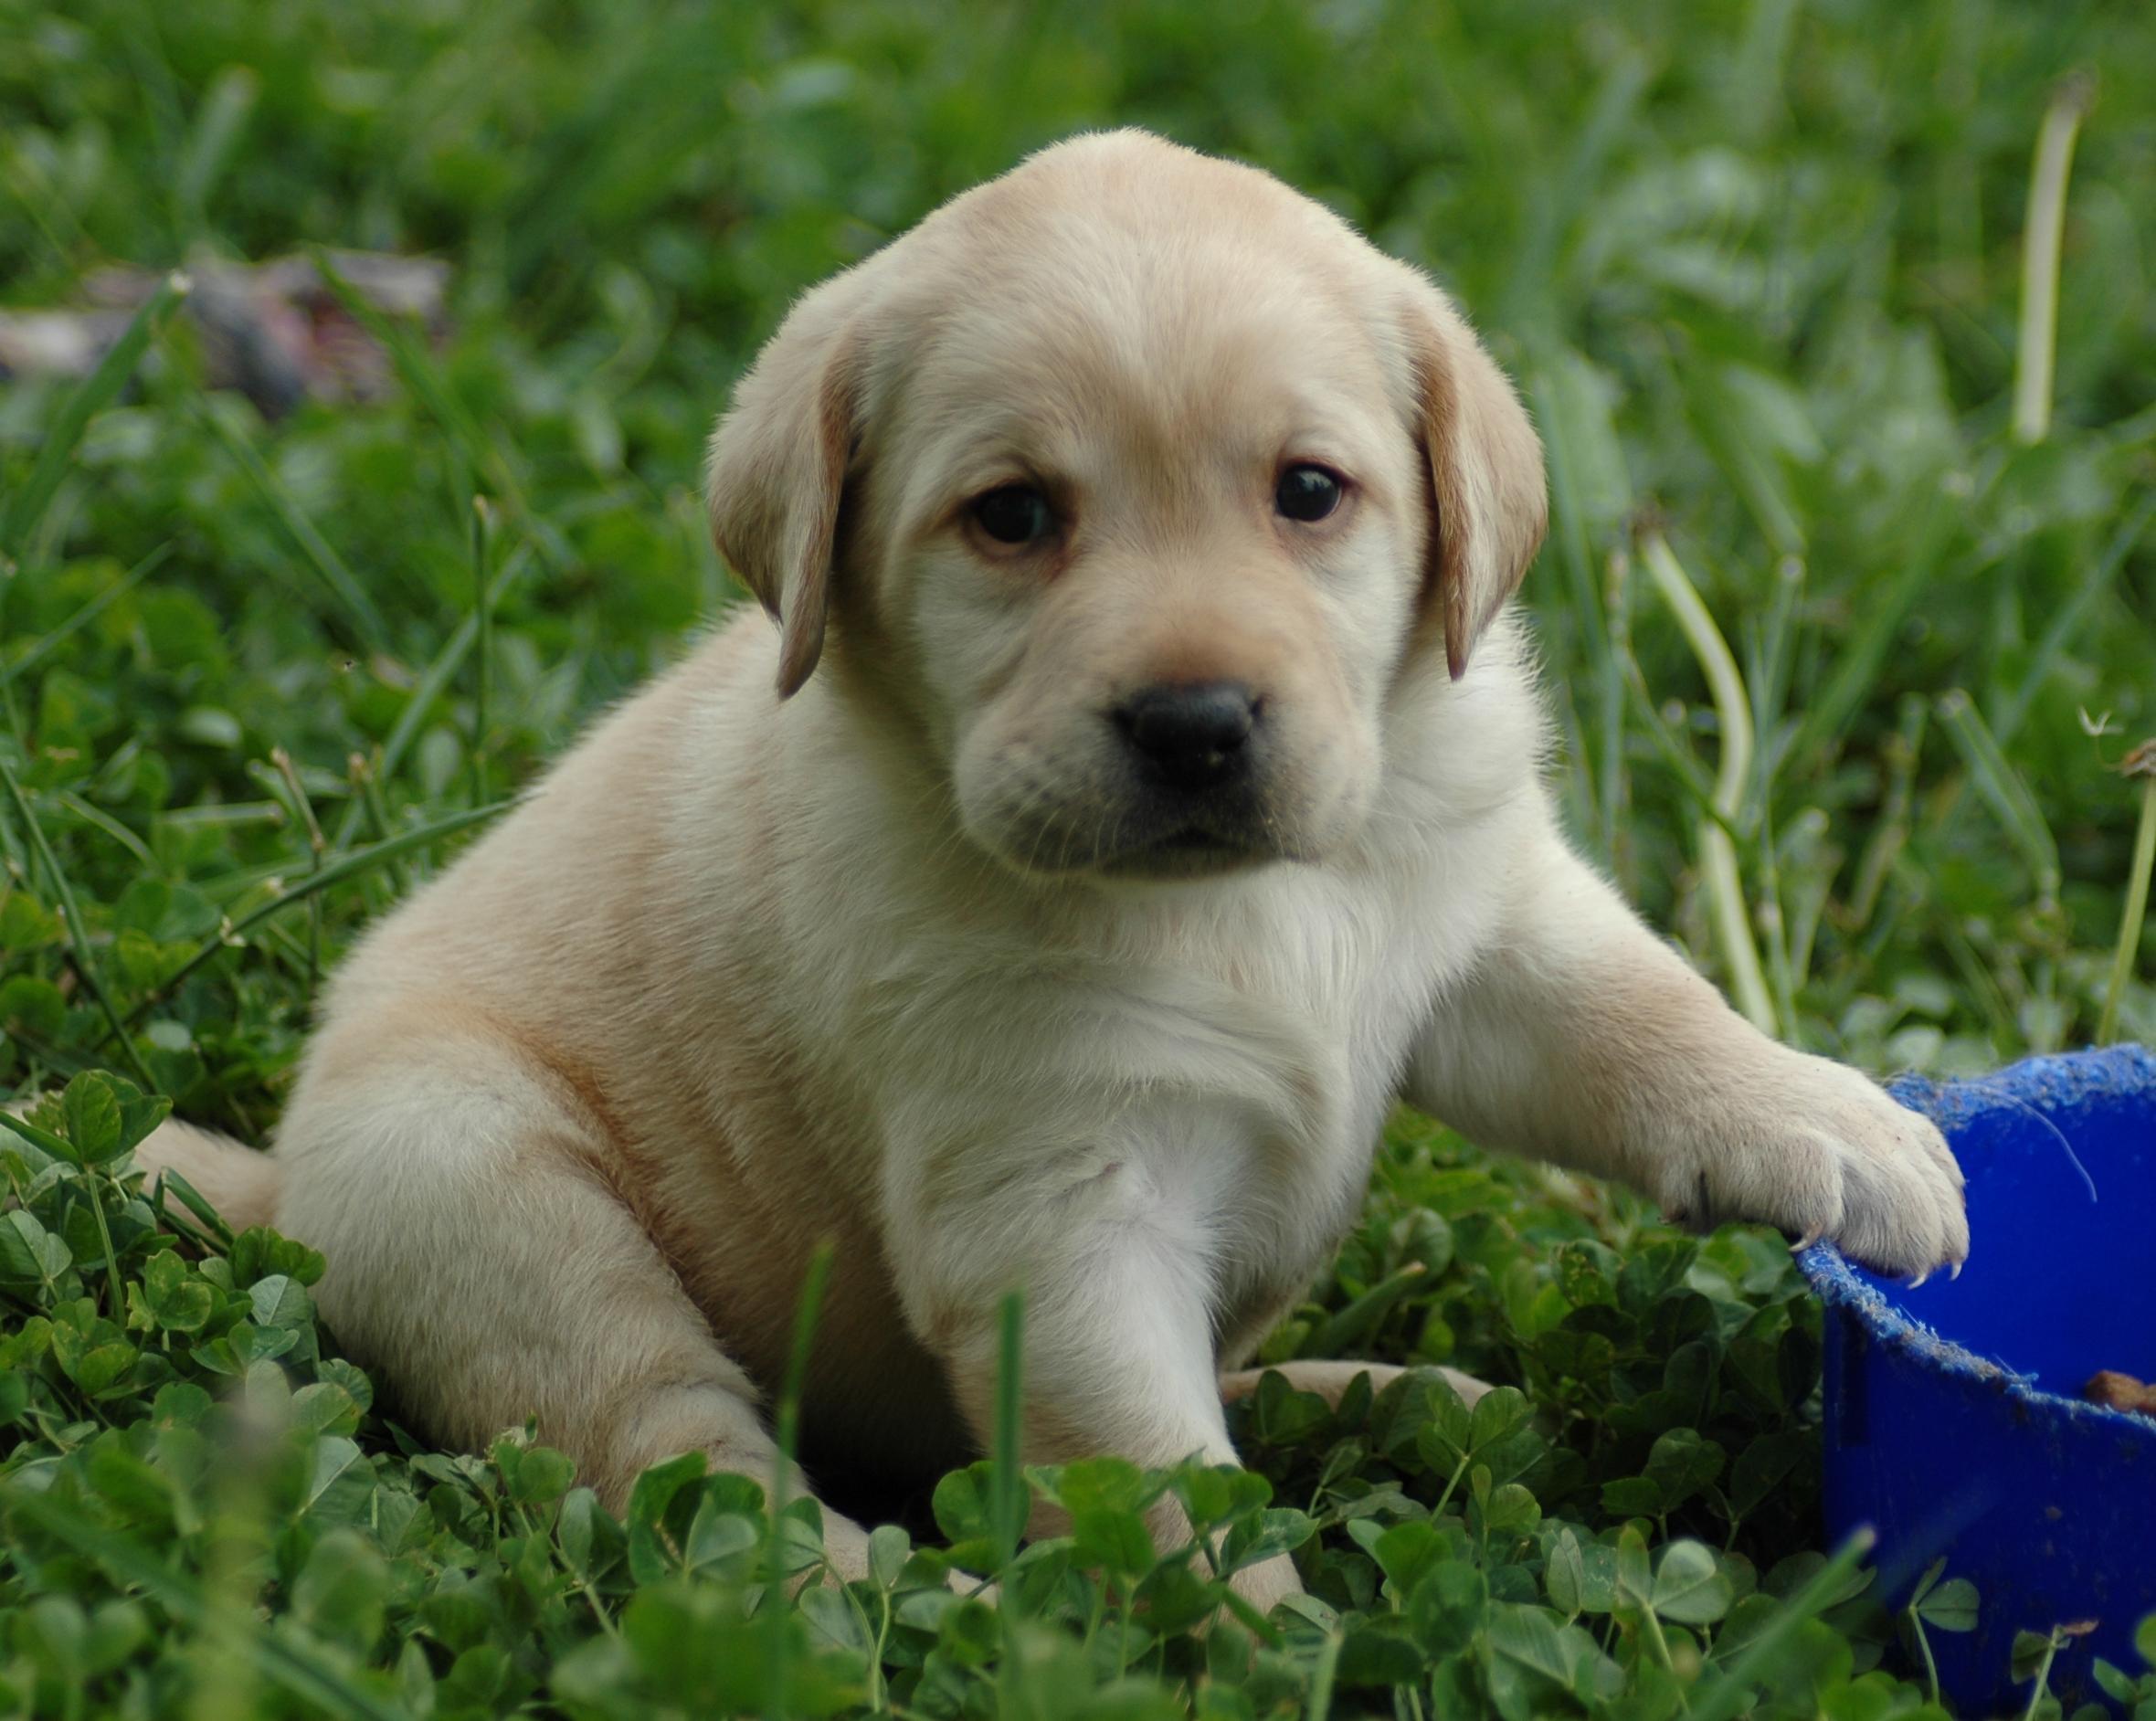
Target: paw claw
[1920, 1279]
[1805, 1241]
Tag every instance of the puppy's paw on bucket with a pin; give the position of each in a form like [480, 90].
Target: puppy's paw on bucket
[1823, 1151]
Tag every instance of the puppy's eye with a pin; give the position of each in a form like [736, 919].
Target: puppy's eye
[1016, 513]
[1306, 493]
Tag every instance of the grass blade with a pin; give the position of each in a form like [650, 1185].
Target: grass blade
[1863, 656]
[2140, 763]
[46, 644]
[785, 1424]
[2070, 616]
[1324, 1670]
[1727, 1699]
[1718, 850]
[1009, 1498]
[439, 673]
[2037, 343]
[480, 453]
[78, 939]
[1551, 216]
[1777, 644]
[170, 1182]
[314, 549]
[1339, 1335]
[420, 375]
[1589, 485]
[2003, 790]
[787, 1433]
[1890, 830]
[44, 1141]
[97, 391]
[220, 123]
[1693, 781]
[349, 867]
[482, 522]
[100, 820]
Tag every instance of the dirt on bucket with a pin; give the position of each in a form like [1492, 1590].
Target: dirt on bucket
[2120, 1392]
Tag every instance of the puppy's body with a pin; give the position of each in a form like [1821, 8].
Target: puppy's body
[727, 945]
[943, 958]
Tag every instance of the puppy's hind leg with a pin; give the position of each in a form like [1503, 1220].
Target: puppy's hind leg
[237, 1180]
[1330, 1380]
[479, 1262]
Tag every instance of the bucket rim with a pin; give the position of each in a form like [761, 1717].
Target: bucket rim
[2051, 1081]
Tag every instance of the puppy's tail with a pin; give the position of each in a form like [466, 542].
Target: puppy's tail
[239, 1181]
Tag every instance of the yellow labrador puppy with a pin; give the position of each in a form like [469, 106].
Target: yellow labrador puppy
[1149, 798]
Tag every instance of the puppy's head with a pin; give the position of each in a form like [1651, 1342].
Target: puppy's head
[1140, 481]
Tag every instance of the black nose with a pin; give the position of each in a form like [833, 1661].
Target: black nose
[1195, 737]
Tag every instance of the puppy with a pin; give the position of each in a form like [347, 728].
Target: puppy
[1149, 798]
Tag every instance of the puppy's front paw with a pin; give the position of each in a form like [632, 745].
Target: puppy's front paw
[1820, 1150]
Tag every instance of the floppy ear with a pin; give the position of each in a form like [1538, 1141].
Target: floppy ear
[776, 471]
[1486, 475]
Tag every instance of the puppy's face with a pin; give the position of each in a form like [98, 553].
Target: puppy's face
[1138, 469]
[1155, 544]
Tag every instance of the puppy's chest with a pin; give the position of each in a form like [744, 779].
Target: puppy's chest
[1244, 1057]
[1288, 1030]
[1351, 971]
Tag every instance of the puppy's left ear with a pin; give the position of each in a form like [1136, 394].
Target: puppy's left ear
[1486, 474]
[776, 473]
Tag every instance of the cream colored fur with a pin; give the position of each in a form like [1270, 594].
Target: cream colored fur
[899, 959]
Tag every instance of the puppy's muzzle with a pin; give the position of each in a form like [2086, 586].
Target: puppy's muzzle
[1191, 738]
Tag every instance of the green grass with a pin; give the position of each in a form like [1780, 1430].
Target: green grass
[1758, 268]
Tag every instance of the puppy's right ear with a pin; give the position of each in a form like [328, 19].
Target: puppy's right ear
[776, 471]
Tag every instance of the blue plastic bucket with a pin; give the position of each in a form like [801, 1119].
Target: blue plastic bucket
[1953, 1424]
